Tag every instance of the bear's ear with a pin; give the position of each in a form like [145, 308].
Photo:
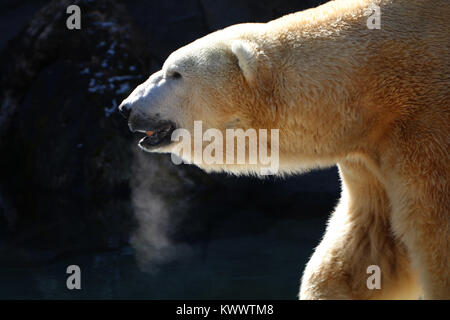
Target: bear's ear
[247, 55]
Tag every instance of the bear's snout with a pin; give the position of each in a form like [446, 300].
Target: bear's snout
[125, 110]
[158, 132]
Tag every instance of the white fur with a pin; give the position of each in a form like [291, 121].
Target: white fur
[247, 58]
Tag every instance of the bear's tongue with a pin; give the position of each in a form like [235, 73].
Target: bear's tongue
[158, 136]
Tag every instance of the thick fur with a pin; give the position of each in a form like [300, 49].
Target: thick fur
[374, 102]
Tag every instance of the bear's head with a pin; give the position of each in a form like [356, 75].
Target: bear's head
[244, 79]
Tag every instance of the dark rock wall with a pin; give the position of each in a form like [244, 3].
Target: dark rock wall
[69, 167]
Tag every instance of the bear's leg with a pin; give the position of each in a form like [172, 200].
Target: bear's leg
[358, 236]
[425, 232]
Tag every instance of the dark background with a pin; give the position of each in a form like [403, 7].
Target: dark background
[75, 189]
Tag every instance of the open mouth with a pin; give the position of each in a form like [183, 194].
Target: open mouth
[157, 137]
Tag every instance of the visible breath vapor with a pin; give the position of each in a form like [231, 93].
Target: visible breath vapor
[154, 188]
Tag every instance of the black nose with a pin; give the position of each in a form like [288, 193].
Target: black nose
[125, 110]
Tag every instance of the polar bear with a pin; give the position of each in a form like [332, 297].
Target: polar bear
[374, 101]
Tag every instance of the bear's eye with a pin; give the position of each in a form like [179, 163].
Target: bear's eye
[175, 75]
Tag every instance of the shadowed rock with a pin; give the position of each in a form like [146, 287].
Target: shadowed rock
[72, 175]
